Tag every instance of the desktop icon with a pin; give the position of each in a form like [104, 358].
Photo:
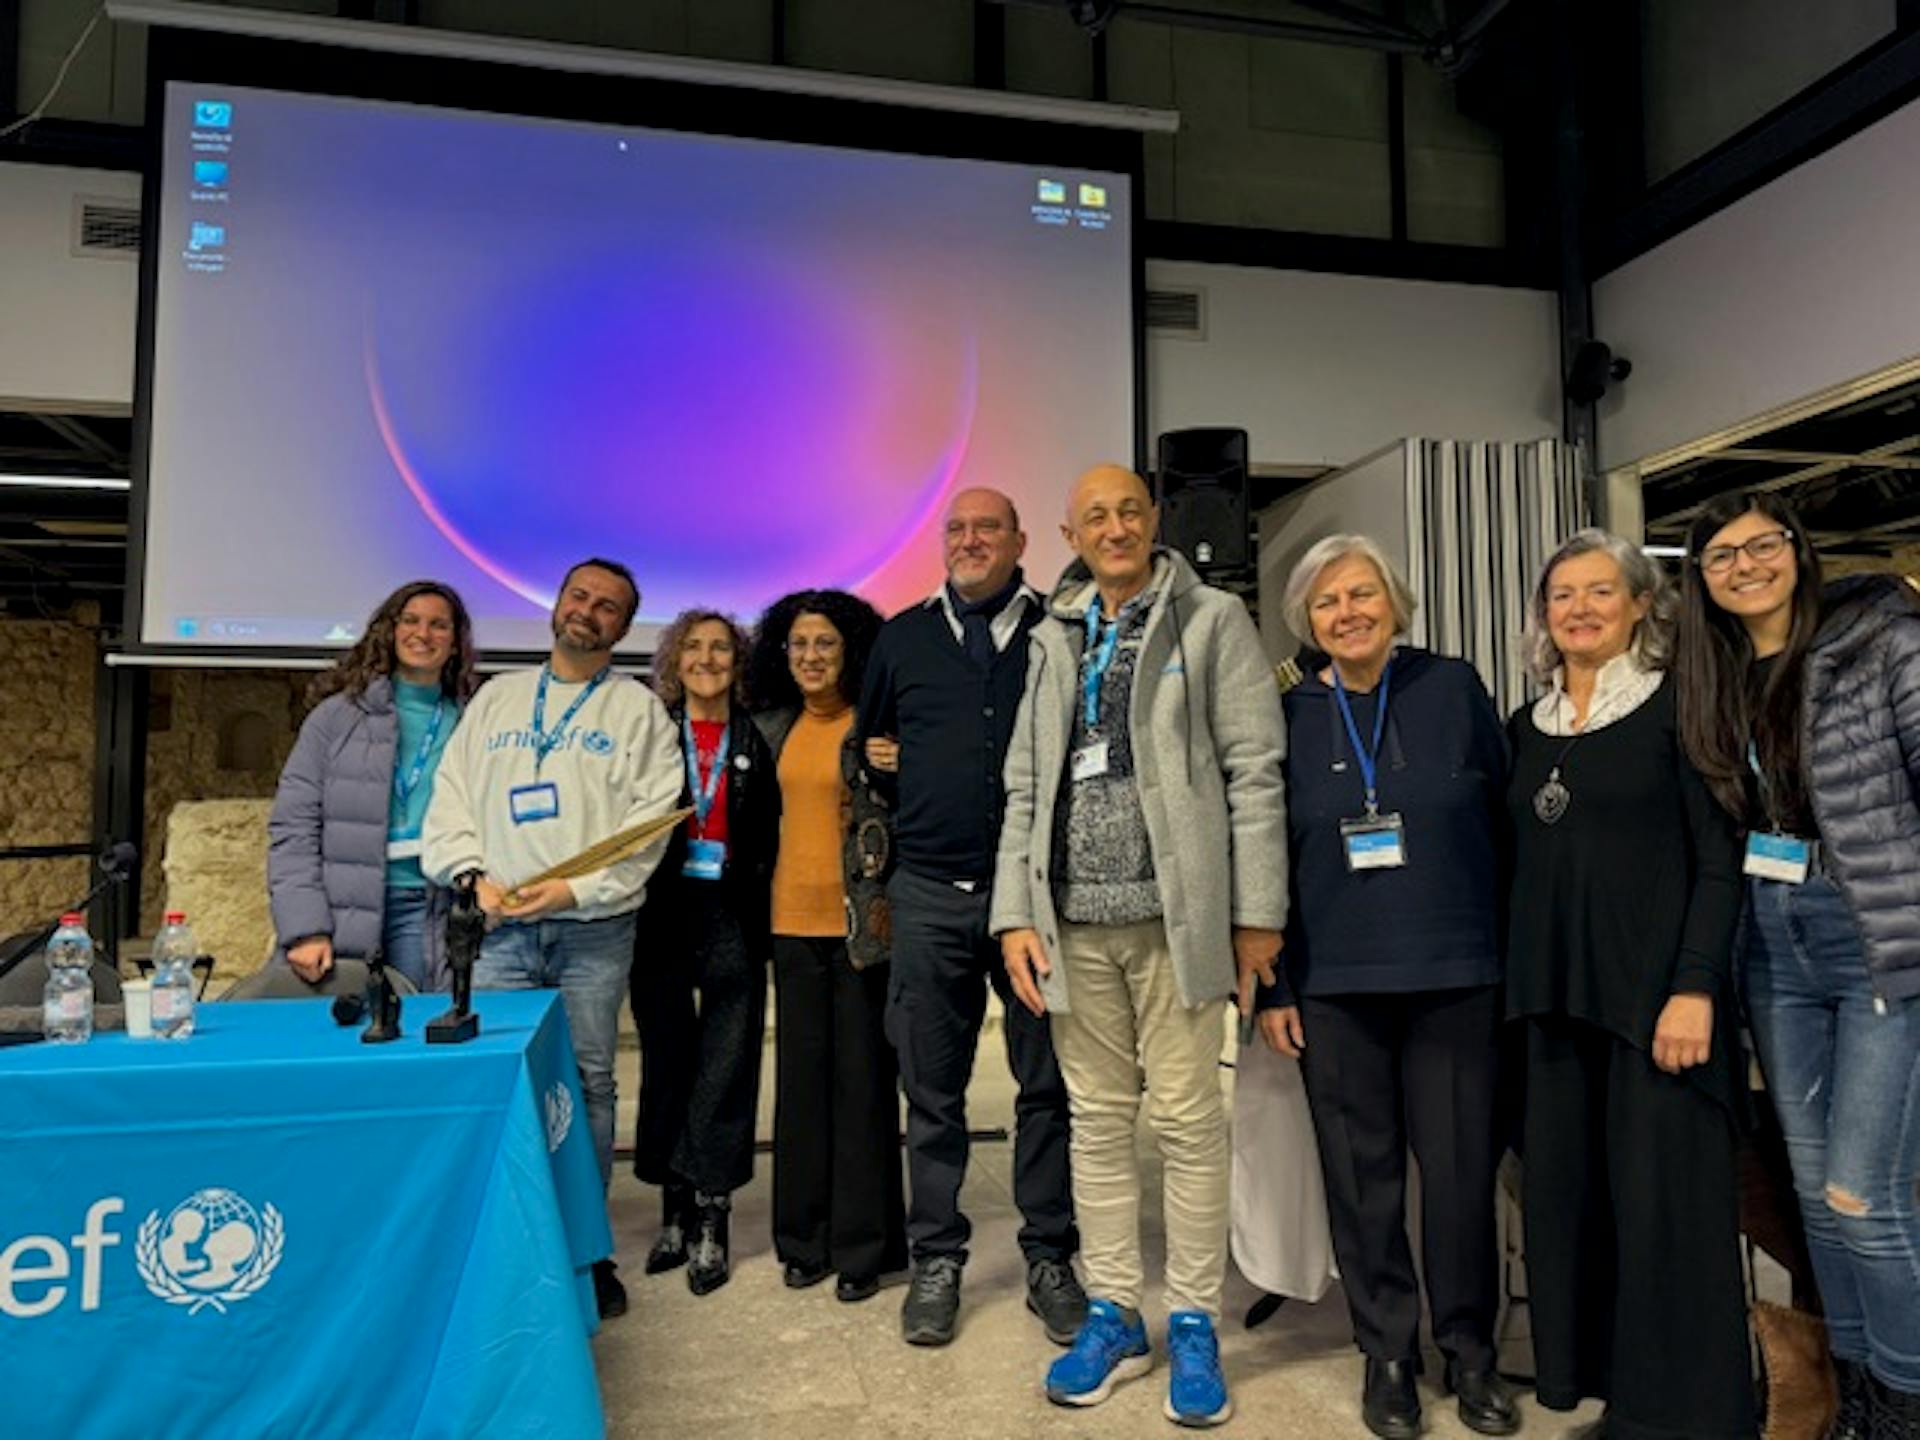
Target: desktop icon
[1094, 197]
[206, 237]
[1052, 192]
[215, 114]
[186, 629]
[210, 174]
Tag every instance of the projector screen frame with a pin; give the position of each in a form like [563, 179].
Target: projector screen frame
[464, 84]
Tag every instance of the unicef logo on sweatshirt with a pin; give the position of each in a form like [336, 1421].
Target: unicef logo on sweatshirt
[597, 742]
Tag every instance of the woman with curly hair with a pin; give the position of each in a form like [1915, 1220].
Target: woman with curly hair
[343, 858]
[838, 1200]
[704, 931]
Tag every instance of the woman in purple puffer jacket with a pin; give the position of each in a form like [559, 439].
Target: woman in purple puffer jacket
[343, 858]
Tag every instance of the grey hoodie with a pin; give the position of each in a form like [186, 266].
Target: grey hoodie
[1207, 739]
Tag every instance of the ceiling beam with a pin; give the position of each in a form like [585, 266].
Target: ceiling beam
[1818, 457]
[83, 439]
[1879, 454]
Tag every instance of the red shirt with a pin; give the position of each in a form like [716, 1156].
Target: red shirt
[706, 742]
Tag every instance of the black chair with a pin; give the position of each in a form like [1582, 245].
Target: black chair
[275, 981]
[26, 982]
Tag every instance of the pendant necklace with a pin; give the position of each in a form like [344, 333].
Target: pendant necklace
[1553, 799]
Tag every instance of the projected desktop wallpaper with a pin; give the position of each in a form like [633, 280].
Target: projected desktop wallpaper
[393, 341]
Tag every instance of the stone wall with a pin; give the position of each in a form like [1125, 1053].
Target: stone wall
[47, 672]
[214, 736]
[215, 869]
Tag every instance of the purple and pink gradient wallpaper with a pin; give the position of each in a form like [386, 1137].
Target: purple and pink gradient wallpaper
[394, 341]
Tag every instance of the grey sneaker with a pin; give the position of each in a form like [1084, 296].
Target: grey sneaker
[933, 1301]
[1054, 1294]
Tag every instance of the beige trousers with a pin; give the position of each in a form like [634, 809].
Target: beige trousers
[1127, 1018]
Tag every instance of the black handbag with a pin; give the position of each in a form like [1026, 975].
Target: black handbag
[866, 863]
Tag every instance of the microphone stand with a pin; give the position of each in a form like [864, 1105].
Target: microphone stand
[115, 869]
[466, 929]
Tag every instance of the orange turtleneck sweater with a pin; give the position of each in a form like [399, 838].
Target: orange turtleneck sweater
[809, 895]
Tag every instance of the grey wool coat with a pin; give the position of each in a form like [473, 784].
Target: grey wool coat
[327, 834]
[1862, 754]
[1207, 737]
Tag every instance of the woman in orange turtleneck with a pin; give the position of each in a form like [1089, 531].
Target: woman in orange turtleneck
[838, 1202]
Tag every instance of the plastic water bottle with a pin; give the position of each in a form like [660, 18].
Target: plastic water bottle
[68, 1017]
[174, 951]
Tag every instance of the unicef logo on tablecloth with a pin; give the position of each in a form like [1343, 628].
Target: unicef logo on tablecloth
[597, 742]
[213, 1248]
[559, 1115]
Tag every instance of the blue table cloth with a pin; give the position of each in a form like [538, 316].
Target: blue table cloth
[271, 1229]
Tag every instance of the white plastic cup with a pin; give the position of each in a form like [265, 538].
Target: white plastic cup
[138, 997]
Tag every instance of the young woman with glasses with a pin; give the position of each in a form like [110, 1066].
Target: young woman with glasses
[1800, 704]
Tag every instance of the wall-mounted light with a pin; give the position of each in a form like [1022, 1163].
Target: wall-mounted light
[63, 482]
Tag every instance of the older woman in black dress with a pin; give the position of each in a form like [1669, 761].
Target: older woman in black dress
[1625, 897]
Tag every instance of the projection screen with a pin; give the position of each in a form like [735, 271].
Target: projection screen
[391, 341]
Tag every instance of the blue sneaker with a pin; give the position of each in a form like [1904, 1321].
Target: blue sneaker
[1106, 1351]
[1196, 1390]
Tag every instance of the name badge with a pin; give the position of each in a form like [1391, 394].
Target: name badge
[1376, 843]
[1090, 760]
[1786, 858]
[528, 803]
[704, 859]
[404, 849]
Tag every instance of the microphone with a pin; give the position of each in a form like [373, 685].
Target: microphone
[118, 860]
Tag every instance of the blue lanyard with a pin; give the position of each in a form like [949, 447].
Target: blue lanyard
[703, 793]
[1369, 760]
[1099, 657]
[1766, 790]
[403, 786]
[544, 744]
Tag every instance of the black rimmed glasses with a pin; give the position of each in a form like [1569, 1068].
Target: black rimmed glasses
[1718, 559]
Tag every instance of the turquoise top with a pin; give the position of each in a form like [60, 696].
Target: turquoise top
[415, 706]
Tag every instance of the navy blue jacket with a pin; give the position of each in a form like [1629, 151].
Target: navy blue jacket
[1434, 924]
[953, 721]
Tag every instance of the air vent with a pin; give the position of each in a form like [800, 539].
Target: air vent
[106, 228]
[1177, 314]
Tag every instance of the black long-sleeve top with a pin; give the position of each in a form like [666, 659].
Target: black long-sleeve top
[1634, 895]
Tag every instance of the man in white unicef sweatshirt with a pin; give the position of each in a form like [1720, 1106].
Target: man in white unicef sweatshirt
[544, 764]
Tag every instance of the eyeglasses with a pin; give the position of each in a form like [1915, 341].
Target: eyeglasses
[1718, 559]
[822, 645]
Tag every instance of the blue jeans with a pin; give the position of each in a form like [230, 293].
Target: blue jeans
[587, 962]
[1846, 1084]
[403, 938]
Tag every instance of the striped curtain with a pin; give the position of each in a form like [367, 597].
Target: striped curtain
[1482, 518]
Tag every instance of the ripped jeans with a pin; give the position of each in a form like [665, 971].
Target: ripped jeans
[1845, 1082]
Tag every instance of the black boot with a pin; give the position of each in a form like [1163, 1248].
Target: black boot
[608, 1293]
[1892, 1414]
[707, 1263]
[1389, 1404]
[669, 1250]
[1850, 1419]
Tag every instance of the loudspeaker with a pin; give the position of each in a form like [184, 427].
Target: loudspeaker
[1594, 367]
[1200, 485]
